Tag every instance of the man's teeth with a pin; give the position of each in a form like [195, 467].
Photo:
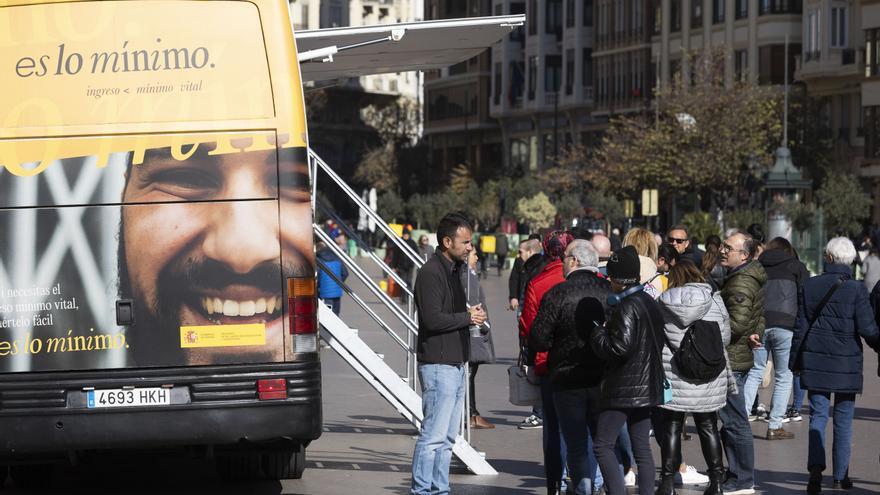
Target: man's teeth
[228, 307]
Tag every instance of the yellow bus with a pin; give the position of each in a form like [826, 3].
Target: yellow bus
[157, 277]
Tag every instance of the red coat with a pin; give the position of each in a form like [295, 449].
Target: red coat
[549, 277]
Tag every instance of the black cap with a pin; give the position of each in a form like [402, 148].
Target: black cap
[623, 266]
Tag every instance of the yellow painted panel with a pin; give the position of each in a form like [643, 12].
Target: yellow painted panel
[223, 335]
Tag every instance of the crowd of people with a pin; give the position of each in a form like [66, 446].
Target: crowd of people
[630, 336]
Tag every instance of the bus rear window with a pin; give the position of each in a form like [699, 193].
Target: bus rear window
[132, 62]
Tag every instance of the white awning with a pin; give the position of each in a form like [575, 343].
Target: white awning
[398, 47]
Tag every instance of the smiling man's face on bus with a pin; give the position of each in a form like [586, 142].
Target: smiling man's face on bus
[204, 247]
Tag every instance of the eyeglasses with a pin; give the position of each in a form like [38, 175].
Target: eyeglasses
[673, 240]
[726, 249]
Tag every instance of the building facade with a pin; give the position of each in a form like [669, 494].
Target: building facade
[542, 81]
[870, 96]
[339, 132]
[458, 127]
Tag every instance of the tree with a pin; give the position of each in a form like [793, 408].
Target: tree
[390, 206]
[707, 135]
[700, 224]
[536, 211]
[378, 168]
[844, 202]
[398, 125]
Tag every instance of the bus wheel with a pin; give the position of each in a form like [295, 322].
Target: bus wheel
[239, 467]
[31, 476]
[285, 464]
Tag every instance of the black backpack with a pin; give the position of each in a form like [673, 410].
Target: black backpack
[700, 357]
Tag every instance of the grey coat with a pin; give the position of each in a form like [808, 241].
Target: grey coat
[482, 347]
[682, 306]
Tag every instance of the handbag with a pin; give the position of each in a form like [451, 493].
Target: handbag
[797, 363]
[524, 385]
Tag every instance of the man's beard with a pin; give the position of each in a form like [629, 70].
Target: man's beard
[154, 335]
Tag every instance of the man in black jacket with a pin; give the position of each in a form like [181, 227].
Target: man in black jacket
[443, 350]
[567, 315]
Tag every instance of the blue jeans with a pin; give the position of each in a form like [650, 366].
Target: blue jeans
[797, 396]
[442, 404]
[554, 445]
[844, 407]
[776, 341]
[577, 411]
[736, 435]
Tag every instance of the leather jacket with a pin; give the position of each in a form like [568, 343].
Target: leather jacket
[631, 344]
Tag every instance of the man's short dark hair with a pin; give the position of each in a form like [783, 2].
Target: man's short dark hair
[679, 227]
[450, 224]
[536, 237]
[581, 233]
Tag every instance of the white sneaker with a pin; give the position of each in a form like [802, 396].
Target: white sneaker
[690, 476]
[630, 478]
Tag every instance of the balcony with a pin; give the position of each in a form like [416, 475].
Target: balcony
[551, 98]
[848, 62]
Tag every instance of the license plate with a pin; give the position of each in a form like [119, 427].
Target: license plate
[117, 397]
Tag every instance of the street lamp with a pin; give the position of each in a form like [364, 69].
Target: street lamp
[784, 182]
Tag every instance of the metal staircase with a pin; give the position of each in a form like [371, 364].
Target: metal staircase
[400, 390]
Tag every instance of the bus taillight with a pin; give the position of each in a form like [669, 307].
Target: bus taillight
[303, 308]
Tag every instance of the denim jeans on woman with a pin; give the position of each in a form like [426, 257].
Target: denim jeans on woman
[776, 342]
[844, 407]
[442, 404]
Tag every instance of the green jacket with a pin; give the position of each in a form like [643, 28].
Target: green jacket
[743, 294]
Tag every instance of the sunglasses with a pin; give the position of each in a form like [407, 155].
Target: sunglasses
[673, 240]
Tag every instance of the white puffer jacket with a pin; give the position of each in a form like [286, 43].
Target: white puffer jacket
[682, 306]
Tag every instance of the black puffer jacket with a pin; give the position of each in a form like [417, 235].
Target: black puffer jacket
[632, 344]
[567, 316]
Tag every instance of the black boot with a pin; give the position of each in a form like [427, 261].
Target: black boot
[815, 485]
[667, 486]
[715, 482]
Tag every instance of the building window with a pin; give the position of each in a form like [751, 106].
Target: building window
[569, 13]
[839, 25]
[675, 16]
[780, 7]
[499, 9]
[872, 132]
[872, 52]
[638, 17]
[741, 64]
[514, 95]
[519, 154]
[587, 67]
[552, 73]
[518, 34]
[533, 17]
[697, 14]
[588, 13]
[771, 63]
[533, 76]
[742, 9]
[658, 17]
[619, 20]
[569, 71]
[811, 36]
[496, 91]
[553, 17]
[718, 7]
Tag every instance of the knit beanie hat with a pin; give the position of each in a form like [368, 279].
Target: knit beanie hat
[623, 266]
[555, 243]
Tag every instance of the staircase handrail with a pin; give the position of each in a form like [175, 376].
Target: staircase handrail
[392, 235]
[363, 305]
[363, 245]
[360, 274]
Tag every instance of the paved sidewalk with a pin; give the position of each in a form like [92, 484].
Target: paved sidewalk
[367, 448]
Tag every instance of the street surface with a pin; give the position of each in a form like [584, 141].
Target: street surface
[366, 447]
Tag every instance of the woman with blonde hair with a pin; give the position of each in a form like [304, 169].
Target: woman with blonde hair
[643, 241]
